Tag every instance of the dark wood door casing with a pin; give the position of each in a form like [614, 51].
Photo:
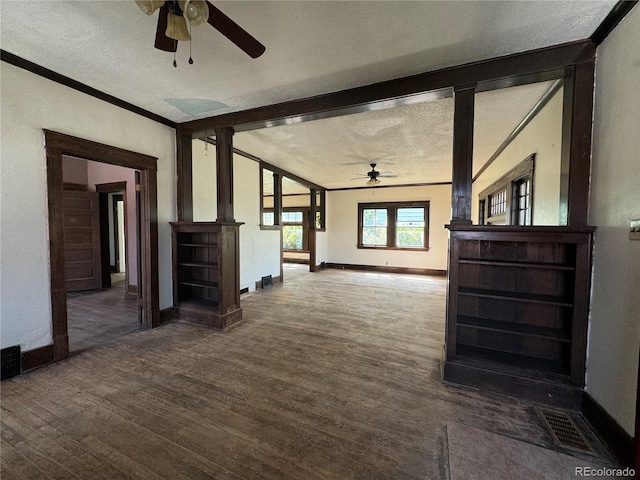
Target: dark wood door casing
[57, 145]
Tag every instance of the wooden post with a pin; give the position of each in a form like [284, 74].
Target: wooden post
[312, 229]
[224, 171]
[277, 199]
[185, 178]
[462, 155]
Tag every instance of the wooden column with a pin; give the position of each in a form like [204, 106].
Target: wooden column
[185, 178]
[312, 229]
[277, 199]
[581, 88]
[224, 171]
[462, 155]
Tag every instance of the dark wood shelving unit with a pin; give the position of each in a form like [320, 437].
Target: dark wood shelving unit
[517, 310]
[206, 275]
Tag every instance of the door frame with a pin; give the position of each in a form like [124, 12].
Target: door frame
[121, 188]
[57, 145]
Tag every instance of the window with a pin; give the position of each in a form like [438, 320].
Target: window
[294, 229]
[268, 218]
[396, 225]
[509, 200]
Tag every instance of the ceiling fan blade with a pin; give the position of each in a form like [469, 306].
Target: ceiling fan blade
[162, 41]
[234, 32]
[359, 178]
[382, 175]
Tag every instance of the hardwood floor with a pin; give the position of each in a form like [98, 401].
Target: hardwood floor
[100, 317]
[331, 375]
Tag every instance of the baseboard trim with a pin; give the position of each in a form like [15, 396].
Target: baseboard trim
[304, 261]
[167, 315]
[388, 269]
[273, 280]
[615, 437]
[132, 289]
[37, 357]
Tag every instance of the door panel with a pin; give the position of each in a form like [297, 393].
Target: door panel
[82, 240]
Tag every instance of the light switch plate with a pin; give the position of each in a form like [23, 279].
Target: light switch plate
[634, 229]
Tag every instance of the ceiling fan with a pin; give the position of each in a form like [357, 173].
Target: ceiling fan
[173, 18]
[373, 176]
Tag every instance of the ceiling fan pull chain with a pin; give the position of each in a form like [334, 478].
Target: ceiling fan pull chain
[175, 44]
[190, 40]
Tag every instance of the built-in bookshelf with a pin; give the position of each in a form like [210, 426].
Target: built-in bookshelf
[206, 286]
[518, 308]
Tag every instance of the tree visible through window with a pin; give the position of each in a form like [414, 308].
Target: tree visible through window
[397, 225]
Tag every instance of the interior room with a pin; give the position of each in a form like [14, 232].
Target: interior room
[297, 239]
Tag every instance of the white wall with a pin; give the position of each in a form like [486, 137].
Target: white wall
[614, 334]
[259, 249]
[30, 103]
[342, 227]
[321, 247]
[542, 136]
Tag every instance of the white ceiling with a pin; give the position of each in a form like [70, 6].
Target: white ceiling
[312, 47]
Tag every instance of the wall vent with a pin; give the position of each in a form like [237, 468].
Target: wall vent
[564, 431]
[266, 281]
[10, 360]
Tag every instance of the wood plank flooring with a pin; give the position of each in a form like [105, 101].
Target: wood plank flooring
[331, 375]
[101, 317]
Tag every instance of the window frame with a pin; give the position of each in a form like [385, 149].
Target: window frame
[304, 224]
[392, 218]
[510, 183]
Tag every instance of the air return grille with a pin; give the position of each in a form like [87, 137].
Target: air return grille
[564, 431]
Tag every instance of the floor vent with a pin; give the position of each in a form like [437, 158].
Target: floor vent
[266, 281]
[564, 431]
[10, 360]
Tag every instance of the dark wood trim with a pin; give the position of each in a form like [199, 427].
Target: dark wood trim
[616, 438]
[37, 357]
[301, 261]
[277, 199]
[77, 187]
[565, 147]
[98, 152]
[388, 269]
[537, 108]
[133, 289]
[19, 62]
[224, 174]
[611, 21]
[311, 225]
[402, 185]
[184, 178]
[392, 208]
[111, 187]
[285, 173]
[461, 177]
[534, 64]
[57, 145]
[580, 150]
[167, 315]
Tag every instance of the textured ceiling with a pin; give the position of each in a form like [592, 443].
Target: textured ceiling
[312, 47]
[414, 142]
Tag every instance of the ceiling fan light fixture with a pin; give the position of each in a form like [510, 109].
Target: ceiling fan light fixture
[372, 182]
[149, 6]
[177, 28]
[195, 11]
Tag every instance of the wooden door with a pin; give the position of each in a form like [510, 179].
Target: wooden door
[82, 240]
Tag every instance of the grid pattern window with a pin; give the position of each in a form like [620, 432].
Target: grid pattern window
[393, 225]
[294, 226]
[498, 203]
[522, 194]
[374, 226]
[410, 227]
[268, 218]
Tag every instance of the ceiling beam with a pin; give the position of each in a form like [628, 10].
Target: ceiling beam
[535, 65]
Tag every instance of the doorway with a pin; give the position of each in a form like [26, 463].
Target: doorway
[58, 145]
